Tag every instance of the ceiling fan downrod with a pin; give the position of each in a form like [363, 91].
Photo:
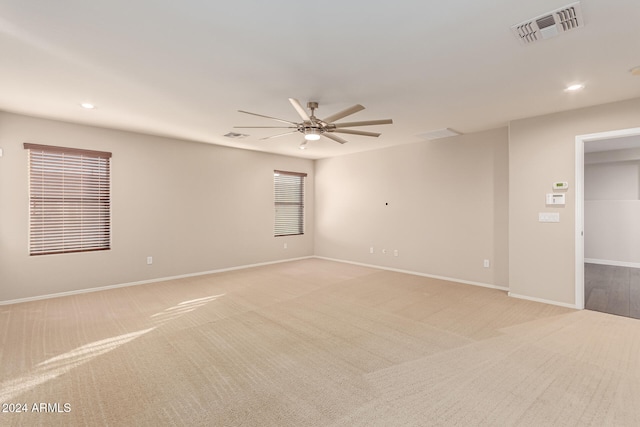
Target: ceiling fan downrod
[315, 127]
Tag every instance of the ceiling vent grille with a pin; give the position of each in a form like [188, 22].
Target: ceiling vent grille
[235, 135]
[439, 133]
[550, 24]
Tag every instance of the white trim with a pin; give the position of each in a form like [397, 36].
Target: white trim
[579, 224]
[579, 203]
[611, 262]
[222, 270]
[415, 273]
[544, 301]
[144, 282]
[609, 134]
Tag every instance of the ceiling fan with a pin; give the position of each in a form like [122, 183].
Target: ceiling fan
[313, 128]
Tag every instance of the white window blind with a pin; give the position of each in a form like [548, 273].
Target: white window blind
[289, 203]
[69, 200]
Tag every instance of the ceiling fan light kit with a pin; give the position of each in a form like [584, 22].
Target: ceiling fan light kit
[313, 128]
[311, 134]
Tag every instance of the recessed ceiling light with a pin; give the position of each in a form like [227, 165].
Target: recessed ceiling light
[574, 87]
[87, 105]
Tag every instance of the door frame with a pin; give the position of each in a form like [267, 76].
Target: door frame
[579, 202]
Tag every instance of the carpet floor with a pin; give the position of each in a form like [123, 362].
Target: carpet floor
[314, 343]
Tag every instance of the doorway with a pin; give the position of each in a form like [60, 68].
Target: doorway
[607, 197]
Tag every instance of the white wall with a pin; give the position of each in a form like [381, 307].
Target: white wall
[612, 208]
[442, 204]
[194, 207]
[184, 203]
[611, 181]
[542, 256]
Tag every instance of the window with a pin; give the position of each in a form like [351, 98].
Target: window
[69, 200]
[289, 203]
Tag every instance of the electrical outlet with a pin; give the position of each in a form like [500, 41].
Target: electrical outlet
[149, 260]
[395, 252]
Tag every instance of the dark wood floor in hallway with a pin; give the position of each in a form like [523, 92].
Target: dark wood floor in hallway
[612, 289]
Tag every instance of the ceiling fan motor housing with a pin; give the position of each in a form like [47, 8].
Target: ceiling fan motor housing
[313, 127]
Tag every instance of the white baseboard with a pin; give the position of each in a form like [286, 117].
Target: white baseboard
[451, 279]
[614, 263]
[242, 267]
[544, 301]
[416, 273]
[144, 282]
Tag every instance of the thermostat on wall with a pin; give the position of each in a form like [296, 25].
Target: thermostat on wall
[560, 185]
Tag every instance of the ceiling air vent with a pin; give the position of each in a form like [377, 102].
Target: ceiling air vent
[438, 133]
[235, 135]
[550, 24]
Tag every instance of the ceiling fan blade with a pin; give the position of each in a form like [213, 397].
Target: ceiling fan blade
[268, 117]
[301, 111]
[356, 132]
[279, 135]
[344, 113]
[365, 123]
[334, 137]
[266, 127]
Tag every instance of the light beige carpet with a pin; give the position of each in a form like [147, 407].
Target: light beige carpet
[315, 343]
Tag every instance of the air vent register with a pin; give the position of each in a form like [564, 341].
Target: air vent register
[550, 24]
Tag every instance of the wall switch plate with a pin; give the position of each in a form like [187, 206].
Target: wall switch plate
[285, 246]
[395, 252]
[486, 263]
[149, 260]
[371, 250]
[548, 217]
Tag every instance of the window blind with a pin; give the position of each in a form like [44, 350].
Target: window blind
[289, 203]
[69, 200]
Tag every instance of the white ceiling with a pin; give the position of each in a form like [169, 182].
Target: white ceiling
[183, 68]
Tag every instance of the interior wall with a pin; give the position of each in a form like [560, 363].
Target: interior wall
[441, 204]
[612, 208]
[542, 151]
[193, 207]
[611, 181]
